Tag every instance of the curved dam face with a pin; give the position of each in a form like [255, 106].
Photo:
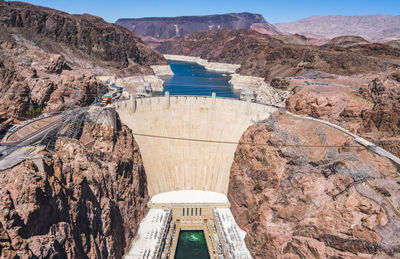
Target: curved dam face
[188, 143]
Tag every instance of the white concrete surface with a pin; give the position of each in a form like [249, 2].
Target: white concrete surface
[132, 83]
[162, 70]
[212, 66]
[151, 234]
[196, 138]
[15, 157]
[230, 234]
[189, 196]
[240, 81]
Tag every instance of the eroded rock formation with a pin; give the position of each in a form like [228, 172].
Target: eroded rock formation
[298, 198]
[87, 203]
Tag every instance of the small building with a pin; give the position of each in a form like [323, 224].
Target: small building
[14, 128]
[144, 90]
[247, 94]
[108, 97]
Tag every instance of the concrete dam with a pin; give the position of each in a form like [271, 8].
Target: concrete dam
[187, 145]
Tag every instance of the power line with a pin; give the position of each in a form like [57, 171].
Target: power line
[236, 143]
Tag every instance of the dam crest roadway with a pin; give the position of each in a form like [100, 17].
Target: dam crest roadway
[188, 144]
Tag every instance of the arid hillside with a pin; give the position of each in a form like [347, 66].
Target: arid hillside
[49, 59]
[265, 56]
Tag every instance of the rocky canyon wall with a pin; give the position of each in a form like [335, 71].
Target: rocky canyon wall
[88, 202]
[303, 190]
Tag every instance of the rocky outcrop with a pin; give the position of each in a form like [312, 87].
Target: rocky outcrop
[384, 117]
[303, 190]
[164, 28]
[22, 90]
[373, 116]
[330, 104]
[394, 43]
[88, 202]
[372, 27]
[347, 41]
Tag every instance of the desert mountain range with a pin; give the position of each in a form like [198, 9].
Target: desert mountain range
[380, 28]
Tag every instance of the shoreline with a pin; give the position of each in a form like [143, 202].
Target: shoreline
[157, 81]
[264, 92]
[211, 66]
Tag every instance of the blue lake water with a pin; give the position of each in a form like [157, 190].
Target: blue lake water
[193, 79]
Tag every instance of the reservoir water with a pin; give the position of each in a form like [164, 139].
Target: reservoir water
[191, 244]
[193, 79]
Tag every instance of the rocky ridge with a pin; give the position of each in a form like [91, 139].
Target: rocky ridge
[155, 29]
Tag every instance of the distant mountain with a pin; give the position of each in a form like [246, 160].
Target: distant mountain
[371, 27]
[164, 28]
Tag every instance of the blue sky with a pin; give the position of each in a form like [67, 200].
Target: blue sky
[273, 11]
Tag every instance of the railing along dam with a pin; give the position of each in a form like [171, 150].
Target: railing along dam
[188, 143]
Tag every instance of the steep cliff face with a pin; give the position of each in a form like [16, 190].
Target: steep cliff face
[87, 204]
[49, 59]
[164, 28]
[298, 198]
[265, 56]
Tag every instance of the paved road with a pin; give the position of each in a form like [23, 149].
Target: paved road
[30, 139]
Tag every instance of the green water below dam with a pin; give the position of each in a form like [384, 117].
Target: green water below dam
[192, 244]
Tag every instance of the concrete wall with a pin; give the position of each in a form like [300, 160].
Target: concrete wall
[176, 164]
